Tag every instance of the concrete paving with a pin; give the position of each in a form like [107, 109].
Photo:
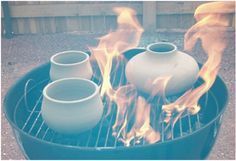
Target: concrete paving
[22, 53]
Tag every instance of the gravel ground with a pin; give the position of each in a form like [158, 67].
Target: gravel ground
[22, 53]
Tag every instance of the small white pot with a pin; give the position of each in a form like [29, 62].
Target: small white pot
[71, 105]
[70, 64]
[162, 60]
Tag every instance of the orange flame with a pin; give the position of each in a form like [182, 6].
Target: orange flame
[121, 95]
[111, 46]
[142, 127]
[212, 22]
[127, 36]
[210, 29]
[159, 86]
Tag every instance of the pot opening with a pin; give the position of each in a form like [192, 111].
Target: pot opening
[162, 48]
[69, 57]
[70, 90]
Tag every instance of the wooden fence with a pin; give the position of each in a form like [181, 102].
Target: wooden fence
[67, 16]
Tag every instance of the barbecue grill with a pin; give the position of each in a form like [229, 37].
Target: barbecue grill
[192, 137]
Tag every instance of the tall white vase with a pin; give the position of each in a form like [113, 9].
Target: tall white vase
[162, 59]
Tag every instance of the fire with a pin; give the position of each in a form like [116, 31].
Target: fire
[158, 87]
[112, 45]
[210, 29]
[142, 127]
[121, 95]
[212, 22]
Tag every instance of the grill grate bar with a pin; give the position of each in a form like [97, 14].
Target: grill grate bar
[180, 127]
[109, 127]
[40, 128]
[189, 122]
[172, 131]
[162, 129]
[34, 123]
[31, 113]
[90, 134]
[100, 129]
[115, 143]
[45, 133]
[198, 121]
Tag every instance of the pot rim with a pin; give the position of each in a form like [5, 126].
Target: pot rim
[95, 92]
[70, 64]
[161, 52]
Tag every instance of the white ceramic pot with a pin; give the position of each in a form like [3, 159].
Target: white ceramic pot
[162, 60]
[70, 64]
[71, 105]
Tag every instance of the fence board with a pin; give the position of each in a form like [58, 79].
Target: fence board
[140, 19]
[85, 23]
[11, 3]
[2, 28]
[111, 23]
[60, 23]
[171, 7]
[98, 24]
[39, 25]
[57, 10]
[53, 24]
[20, 24]
[26, 26]
[20, 3]
[50, 2]
[48, 25]
[72, 24]
[149, 15]
[33, 27]
[175, 21]
[69, 16]
[33, 2]
[2, 14]
[233, 21]
[15, 26]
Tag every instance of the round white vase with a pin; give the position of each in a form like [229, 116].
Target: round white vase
[69, 64]
[71, 105]
[162, 59]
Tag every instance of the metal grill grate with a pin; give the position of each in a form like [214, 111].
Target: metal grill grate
[101, 135]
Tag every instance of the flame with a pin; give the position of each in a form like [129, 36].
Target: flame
[212, 22]
[121, 95]
[110, 49]
[158, 86]
[142, 127]
[126, 36]
[133, 123]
